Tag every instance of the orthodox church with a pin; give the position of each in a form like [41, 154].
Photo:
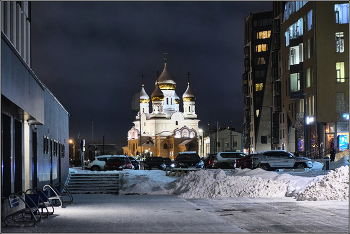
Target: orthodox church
[165, 130]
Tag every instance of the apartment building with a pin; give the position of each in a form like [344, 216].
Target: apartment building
[256, 90]
[309, 74]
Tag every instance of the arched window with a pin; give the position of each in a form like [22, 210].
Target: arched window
[167, 101]
[143, 110]
[171, 101]
[189, 109]
[165, 146]
[176, 122]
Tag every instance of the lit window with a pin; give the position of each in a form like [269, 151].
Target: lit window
[263, 34]
[340, 72]
[339, 42]
[309, 20]
[294, 82]
[259, 87]
[260, 48]
[341, 13]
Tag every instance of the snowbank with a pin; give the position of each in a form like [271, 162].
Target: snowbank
[312, 184]
[209, 184]
[333, 186]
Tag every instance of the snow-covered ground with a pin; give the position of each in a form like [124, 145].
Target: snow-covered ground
[312, 184]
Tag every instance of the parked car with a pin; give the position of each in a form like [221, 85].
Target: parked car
[274, 159]
[135, 163]
[168, 163]
[98, 163]
[245, 162]
[226, 160]
[188, 159]
[154, 162]
[118, 163]
[208, 160]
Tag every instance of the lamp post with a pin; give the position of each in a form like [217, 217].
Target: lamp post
[103, 145]
[200, 131]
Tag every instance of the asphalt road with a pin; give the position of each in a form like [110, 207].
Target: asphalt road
[106, 213]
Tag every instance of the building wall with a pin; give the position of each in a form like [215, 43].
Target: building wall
[327, 57]
[35, 126]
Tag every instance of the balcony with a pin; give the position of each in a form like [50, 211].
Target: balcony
[274, 74]
[274, 58]
[276, 25]
[277, 104]
[277, 88]
[246, 64]
[247, 52]
[247, 103]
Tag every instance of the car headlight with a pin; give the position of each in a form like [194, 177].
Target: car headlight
[181, 164]
[172, 165]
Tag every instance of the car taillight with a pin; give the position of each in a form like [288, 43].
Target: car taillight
[91, 161]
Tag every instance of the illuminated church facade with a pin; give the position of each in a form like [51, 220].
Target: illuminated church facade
[165, 130]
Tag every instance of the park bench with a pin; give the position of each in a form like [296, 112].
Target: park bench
[44, 204]
[58, 194]
[27, 216]
[179, 171]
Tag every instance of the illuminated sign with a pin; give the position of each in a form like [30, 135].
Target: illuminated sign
[309, 119]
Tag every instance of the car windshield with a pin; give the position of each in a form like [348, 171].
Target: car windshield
[154, 159]
[188, 157]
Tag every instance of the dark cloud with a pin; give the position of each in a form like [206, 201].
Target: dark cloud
[91, 55]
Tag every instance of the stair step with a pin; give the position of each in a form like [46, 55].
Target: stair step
[93, 183]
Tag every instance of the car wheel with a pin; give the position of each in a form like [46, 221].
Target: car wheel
[300, 166]
[225, 166]
[265, 167]
[95, 168]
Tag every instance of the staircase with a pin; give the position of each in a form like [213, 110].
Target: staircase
[93, 183]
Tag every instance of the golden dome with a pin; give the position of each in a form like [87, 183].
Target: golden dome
[166, 81]
[157, 94]
[188, 96]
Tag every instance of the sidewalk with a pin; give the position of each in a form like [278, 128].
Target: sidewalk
[105, 213]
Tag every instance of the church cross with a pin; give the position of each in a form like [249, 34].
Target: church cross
[165, 54]
[142, 79]
[188, 75]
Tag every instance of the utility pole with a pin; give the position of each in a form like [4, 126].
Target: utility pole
[103, 146]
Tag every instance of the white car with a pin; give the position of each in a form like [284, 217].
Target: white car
[274, 159]
[226, 160]
[98, 163]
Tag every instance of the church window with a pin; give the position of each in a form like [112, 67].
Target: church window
[177, 134]
[176, 122]
[189, 109]
[165, 146]
[167, 101]
[192, 135]
[171, 101]
[143, 110]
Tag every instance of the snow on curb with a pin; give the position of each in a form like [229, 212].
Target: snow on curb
[333, 186]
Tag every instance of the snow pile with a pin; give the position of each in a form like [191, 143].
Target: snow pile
[210, 184]
[344, 161]
[141, 182]
[333, 186]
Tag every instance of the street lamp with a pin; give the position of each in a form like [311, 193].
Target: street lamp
[200, 131]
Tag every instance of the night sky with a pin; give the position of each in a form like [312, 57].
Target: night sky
[91, 55]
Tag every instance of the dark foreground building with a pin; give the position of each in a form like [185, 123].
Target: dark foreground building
[34, 124]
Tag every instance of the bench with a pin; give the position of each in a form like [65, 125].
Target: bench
[27, 216]
[44, 203]
[58, 194]
[179, 171]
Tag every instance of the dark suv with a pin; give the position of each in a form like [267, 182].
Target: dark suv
[154, 162]
[188, 159]
[118, 163]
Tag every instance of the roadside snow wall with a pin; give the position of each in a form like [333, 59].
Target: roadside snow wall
[208, 184]
[333, 186]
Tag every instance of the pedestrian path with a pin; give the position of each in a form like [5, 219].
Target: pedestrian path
[105, 213]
